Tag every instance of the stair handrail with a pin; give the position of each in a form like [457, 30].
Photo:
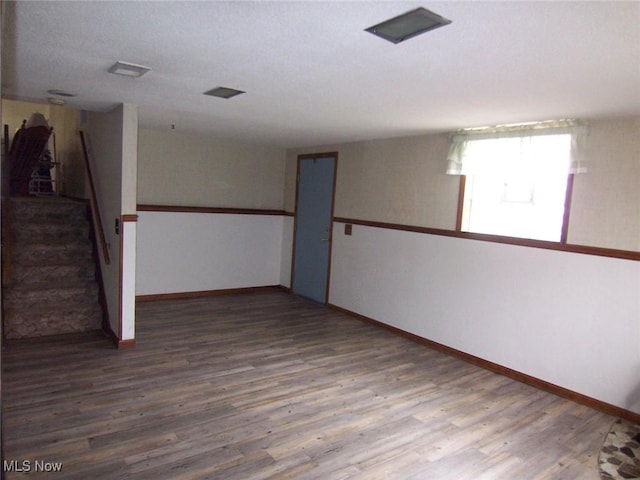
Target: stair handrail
[6, 208]
[94, 201]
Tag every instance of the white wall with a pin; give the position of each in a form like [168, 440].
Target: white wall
[190, 252]
[112, 141]
[128, 233]
[568, 319]
[128, 229]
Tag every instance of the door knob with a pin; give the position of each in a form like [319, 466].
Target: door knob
[325, 240]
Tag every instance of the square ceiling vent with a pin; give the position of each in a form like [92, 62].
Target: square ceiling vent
[223, 92]
[408, 25]
[128, 69]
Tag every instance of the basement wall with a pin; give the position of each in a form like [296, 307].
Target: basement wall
[193, 252]
[569, 319]
[190, 170]
[189, 251]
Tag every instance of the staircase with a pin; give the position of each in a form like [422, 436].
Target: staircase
[52, 288]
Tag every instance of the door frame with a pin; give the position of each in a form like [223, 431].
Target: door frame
[322, 155]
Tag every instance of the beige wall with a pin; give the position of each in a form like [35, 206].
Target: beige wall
[66, 123]
[398, 180]
[402, 181]
[180, 169]
[605, 209]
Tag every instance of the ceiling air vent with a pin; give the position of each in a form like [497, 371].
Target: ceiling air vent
[408, 25]
[128, 69]
[223, 92]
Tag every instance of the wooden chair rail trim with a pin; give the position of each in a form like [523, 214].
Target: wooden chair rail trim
[500, 369]
[524, 242]
[94, 202]
[195, 209]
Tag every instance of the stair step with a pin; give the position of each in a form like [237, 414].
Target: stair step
[54, 253]
[27, 323]
[54, 207]
[40, 219]
[47, 275]
[51, 297]
[52, 288]
[42, 232]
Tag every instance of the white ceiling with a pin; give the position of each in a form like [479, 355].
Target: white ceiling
[313, 76]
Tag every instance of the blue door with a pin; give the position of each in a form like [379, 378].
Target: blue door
[314, 210]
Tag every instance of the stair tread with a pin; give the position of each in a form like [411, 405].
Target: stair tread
[84, 308]
[51, 258]
[33, 311]
[41, 307]
[56, 203]
[55, 244]
[30, 292]
[52, 288]
[85, 263]
[73, 284]
[38, 230]
[47, 231]
[48, 199]
[52, 261]
[19, 215]
[48, 274]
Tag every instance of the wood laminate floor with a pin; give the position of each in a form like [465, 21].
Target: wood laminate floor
[267, 385]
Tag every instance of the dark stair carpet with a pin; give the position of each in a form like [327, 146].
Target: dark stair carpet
[52, 288]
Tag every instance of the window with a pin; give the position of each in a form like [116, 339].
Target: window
[516, 178]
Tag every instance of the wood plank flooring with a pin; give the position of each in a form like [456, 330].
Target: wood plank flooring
[269, 386]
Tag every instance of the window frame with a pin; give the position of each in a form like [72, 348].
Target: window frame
[457, 158]
[566, 215]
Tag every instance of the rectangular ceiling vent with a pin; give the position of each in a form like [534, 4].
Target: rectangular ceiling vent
[128, 69]
[408, 25]
[223, 92]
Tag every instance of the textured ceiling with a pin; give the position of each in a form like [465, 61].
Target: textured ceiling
[313, 76]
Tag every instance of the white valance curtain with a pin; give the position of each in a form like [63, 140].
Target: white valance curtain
[503, 146]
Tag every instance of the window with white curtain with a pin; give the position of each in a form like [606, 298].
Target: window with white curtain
[516, 177]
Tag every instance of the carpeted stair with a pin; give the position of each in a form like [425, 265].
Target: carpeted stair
[52, 288]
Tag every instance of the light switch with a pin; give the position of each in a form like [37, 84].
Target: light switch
[348, 228]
